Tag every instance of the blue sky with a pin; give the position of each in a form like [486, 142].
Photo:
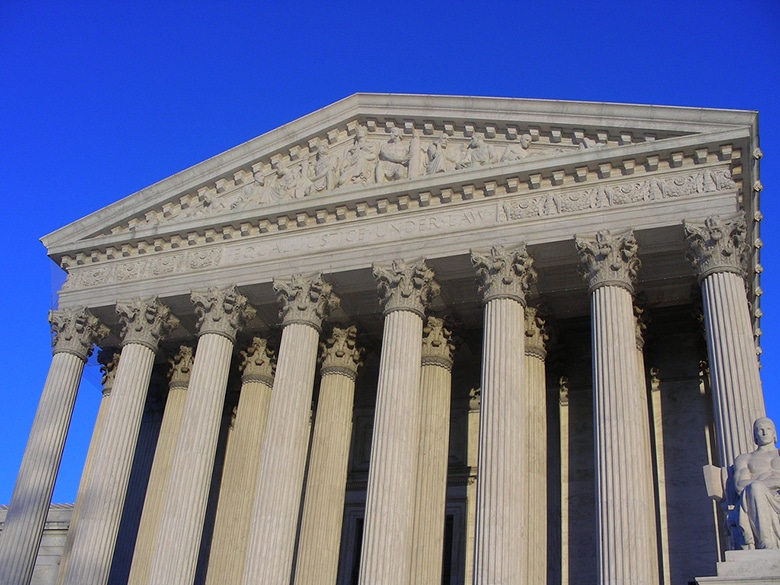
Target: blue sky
[100, 99]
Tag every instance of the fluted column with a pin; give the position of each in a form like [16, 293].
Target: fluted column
[626, 537]
[178, 380]
[504, 276]
[144, 323]
[536, 337]
[305, 302]
[431, 491]
[405, 289]
[74, 331]
[563, 404]
[108, 360]
[472, 449]
[242, 460]
[720, 254]
[221, 314]
[323, 507]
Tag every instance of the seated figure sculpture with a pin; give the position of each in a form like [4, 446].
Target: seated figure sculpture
[756, 481]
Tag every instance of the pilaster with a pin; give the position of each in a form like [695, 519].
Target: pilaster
[719, 252]
[323, 507]
[221, 314]
[305, 302]
[242, 460]
[74, 331]
[624, 493]
[405, 290]
[431, 491]
[144, 323]
[504, 276]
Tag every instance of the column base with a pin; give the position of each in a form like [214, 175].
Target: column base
[754, 567]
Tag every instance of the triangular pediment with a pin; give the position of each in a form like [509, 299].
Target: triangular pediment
[366, 149]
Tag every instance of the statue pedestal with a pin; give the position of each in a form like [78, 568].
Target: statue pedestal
[754, 567]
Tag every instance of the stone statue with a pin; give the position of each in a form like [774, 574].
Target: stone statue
[756, 482]
[323, 174]
[514, 153]
[287, 183]
[394, 157]
[359, 160]
[440, 158]
[478, 153]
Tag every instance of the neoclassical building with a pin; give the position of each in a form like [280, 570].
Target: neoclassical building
[411, 340]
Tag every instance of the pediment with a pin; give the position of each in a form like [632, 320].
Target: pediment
[369, 151]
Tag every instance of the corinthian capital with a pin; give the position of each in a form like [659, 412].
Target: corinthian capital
[180, 368]
[305, 299]
[145, 322]
[108, 360]
[405, 286]
[74, 331]
[609, 259]
[718, 244]
[222, 311]
[258, 362]
[536, 334]
[437, 343]
[504, 273]
[340, 353]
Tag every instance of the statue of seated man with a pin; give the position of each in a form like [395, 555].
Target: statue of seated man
[757, 485]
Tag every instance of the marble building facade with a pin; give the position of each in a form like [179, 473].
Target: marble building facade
[412, 340]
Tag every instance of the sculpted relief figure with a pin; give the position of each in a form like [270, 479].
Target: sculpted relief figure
[515, 152]
[323, 174]
[287, 183]
[756, 482]
[395, 158]
[357, 168]
[440, 157]
[478, 153]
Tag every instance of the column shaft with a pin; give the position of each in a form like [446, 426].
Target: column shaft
[627, 541]
[98, 523]
[234, 508]
[30, 499]
[323, 508]
[502, 521]
[537, 469]
[181, 524]
[387, 533]
[736, 386]
[277, 498]
[155, 490]
[563, 401]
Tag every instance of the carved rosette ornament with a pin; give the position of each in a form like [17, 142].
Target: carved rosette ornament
[108, 360]
[609, 259]
[504, 273]
[536, 334]
[339, 353]
[305, 299]
[405, 286]
[437, 344]
[258, 362]
[74, 331]
[221, 311]
[180, 368]
[145, 322]
[718, 244]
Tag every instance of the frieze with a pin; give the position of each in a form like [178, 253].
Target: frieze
[623, 193]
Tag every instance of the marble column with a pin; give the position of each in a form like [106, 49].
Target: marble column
[626, 536]
[472, 449]
[503, 481]
[144, 323]
[536, 337]
[305, 302]
[323, 506]
[720, 254]
[180, 368]
[563, 406]
[242, 460]
[221, 314]
[74, 331]
[108, 360]
[405, 289]
[433, 452]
